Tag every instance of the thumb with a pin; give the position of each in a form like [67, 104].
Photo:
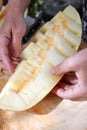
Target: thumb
[64, 67]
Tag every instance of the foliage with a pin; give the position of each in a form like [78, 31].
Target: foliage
[34, 7]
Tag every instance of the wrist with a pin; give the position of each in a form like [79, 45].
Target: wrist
[17, 6]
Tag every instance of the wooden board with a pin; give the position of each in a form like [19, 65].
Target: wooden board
[2, 15]
[52, 113]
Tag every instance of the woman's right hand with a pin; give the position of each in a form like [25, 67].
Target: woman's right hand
[11, 34]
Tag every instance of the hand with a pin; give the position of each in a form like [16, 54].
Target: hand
[73, 85]
[11, 34]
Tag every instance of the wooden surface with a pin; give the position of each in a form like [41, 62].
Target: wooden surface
[2, 15]
[52, 113]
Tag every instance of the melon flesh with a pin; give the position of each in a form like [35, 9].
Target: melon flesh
[32, 80]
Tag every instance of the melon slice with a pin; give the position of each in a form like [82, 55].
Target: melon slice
[32, 80]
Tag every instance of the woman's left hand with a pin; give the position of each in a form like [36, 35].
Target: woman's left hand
[73, 85]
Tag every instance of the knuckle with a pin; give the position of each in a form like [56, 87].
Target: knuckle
[19, 31]
[69, 64]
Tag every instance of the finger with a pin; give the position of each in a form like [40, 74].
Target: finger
[2, 65]
[0, 57]
[16, 43]
[66, 66]
[6, 59]
[8, 64]
[59, 85]
[15, 62]
[69, 92]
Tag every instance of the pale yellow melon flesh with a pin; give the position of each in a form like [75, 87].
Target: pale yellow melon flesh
[32, 80]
